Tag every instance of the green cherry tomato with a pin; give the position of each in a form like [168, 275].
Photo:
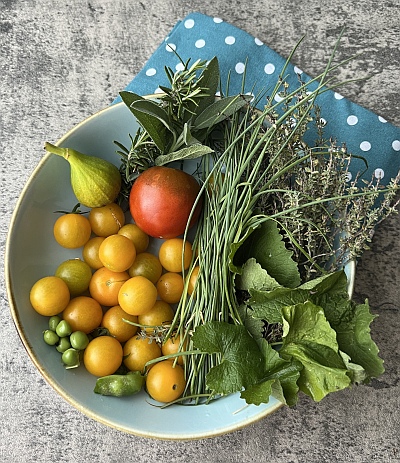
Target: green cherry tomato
[50, 337]
[63, 329]
[63, 345]
[53, 322]
[79, 340]
[70, 358]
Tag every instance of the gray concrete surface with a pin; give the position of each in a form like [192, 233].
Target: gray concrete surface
[61, 61]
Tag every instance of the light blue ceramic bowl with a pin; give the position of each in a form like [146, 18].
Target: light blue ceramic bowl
[32, 253]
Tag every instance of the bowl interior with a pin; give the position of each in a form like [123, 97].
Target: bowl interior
[32, 253]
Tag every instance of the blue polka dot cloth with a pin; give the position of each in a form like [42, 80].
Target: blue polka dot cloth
[199, 36]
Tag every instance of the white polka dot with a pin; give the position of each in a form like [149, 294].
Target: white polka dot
[240, 68]
[258, 41]
[158, 90]
[298, 70]
[322, 121]
[381, 119]
[200, 43]
[352, 120]
[365, 145]
[278, 98]
[189, 23]
[269, 68]
[379, 173]
[348, 177]
[338, 96]
[151, 72]
[230, 40]
[396, 145]
[218, 20]
[170, 47]
[180, 67]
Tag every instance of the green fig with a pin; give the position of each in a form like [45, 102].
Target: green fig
[95, 181]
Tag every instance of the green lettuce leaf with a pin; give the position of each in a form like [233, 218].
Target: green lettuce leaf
[309, 339]
[279, 380]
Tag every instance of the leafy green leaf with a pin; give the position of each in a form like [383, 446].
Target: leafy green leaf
[254, 325]
[188, 152]
[153, 124]
[266, 245]
[241, 359]
[331, 283]
[209, 79]
[254, 276]
[268, 305]
[279, 379]
[152, 109]
[309, 339]
[352, 326]
[220, 110]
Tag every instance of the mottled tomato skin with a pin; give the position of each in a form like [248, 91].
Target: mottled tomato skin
[161, 200]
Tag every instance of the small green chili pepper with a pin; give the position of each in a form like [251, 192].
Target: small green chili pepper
[120, 385]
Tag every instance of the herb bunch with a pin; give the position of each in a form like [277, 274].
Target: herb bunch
[280, 219]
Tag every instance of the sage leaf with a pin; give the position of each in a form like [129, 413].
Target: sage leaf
[188, 152]
[220, 110]
[209, 79]
[155, 125]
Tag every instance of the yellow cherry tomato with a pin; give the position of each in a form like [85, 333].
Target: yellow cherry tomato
[117, 253]
[103, 356]
[106, 220]
[138, 351]
[83, 313]
[113, 321]
[165, 381]
[72, 230]
[49, 296]
[137, 295]
[139, 237]
[170, 287]
[175, 254]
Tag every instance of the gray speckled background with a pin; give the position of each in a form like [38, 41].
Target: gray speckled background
[60, 62]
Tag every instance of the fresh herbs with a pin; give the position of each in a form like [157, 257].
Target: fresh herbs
[280, 220]
[175, 127]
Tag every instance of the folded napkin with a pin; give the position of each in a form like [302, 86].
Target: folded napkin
[199, 36]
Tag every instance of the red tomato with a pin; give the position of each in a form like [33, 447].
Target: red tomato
[161, 200]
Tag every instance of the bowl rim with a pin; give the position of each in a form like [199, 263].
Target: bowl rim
[29, 348]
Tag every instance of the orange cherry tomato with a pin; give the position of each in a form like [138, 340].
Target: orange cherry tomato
[165, 381]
